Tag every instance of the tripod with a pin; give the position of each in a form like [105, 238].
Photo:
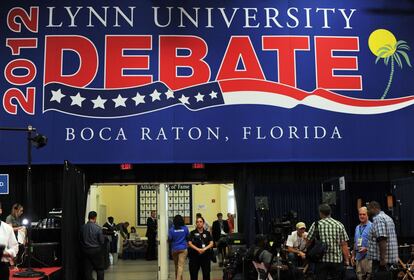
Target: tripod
[276, 249]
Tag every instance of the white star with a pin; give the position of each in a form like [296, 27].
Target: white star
[77, 100]
[199, 97]
[119, 101]
[169, 94]
[213, 94]
[57, 96]
[183, 99]
[99, 102]
[139, 99]
[155, 95]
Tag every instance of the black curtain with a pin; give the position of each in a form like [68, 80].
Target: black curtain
[74, 206]
[244, 194]
[46, 189]
[403, 191]
[367, 191]
[284, 197]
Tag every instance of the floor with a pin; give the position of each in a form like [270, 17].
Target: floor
[142, 269]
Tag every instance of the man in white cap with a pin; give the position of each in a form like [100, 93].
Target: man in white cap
[296, 244]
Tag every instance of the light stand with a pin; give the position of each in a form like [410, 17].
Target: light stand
[38, 141]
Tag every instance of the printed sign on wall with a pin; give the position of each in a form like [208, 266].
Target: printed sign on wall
[4, 183]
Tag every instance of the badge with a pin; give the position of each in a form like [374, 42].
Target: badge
[359, 242]
[204, 235]
[197, 234]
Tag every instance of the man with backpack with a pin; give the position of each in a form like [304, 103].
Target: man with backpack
[332, 238]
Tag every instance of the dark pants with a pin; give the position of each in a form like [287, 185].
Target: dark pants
[196, 262]
[295, 260]
[93, 260]
[222, 244]
[331, 270]
[4, 271]
[151, 249]
[379, 273]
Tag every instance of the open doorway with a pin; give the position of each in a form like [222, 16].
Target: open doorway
[133, 203]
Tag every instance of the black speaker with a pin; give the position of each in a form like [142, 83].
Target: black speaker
[45, 255]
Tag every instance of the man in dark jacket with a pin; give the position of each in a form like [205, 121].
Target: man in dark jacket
[220, 236]
[152, 237]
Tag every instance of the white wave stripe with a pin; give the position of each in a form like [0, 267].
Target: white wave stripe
[315, 101]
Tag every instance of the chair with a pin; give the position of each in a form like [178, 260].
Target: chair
[261, 271]
[408, 266]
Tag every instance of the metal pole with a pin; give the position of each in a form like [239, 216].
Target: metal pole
[29, 272]
[29, 196]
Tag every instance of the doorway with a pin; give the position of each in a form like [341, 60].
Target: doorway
[133, 203]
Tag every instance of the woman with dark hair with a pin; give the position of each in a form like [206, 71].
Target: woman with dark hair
[177, 235]
[200, 245]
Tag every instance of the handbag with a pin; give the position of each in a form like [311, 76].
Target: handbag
[317, 249]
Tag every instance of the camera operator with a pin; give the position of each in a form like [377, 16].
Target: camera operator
[260, 254]
[296, 244]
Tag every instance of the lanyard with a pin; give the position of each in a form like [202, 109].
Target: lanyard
[363, 227]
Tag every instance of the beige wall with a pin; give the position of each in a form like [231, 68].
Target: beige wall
[120, 202]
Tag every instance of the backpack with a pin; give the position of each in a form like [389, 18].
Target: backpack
[318, 248]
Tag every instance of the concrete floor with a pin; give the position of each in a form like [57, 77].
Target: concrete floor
[142, 269]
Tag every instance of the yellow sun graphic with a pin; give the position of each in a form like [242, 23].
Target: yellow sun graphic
[381, 38]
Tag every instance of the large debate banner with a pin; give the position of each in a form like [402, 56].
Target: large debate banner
[208, 81]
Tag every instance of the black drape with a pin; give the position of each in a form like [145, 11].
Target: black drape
[74, 206]
[300, 197]
[46, 189]
[244, 194]
[403, 190]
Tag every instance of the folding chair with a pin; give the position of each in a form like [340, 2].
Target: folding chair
[262, 271]
[408, 267]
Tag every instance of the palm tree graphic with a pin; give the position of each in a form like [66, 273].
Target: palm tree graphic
[384, 45]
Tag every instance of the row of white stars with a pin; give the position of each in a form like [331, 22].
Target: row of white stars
[120, 101]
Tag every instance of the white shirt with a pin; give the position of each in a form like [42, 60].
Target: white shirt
[8, 239]
[297, 242]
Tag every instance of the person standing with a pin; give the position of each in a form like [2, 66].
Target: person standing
[206, 224]
[92, 241]
[359, 252]
[8, 246]
[220, 236]
[332, 233]
[178, 235]
[296, 244]
[382, 239]
[151, 234]
[200, 245]
[109, 230]
[230, 221]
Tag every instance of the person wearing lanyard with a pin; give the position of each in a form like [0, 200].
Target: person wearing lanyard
[199, 251]
[359, 252]
[8, 248]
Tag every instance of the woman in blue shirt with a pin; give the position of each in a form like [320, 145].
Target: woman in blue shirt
[177, 235]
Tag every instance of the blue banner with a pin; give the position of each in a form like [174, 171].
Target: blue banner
[197, 81]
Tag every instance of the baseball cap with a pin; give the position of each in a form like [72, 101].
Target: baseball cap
[300, 225]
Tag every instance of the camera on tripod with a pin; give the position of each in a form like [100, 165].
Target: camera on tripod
[281, 228]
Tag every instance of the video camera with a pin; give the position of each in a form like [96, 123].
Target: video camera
[281, 228]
